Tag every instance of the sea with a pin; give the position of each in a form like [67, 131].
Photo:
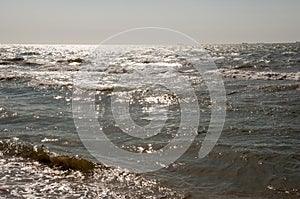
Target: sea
[43, 154]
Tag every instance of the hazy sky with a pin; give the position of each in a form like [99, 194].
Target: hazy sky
[91, 21]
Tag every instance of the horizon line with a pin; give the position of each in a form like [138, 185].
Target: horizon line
[94, 44]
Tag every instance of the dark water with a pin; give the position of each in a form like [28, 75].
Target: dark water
[257, 155]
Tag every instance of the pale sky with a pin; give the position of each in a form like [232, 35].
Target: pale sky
[92, 21]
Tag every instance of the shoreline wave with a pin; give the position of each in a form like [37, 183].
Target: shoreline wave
[32, 171]
[13, 147]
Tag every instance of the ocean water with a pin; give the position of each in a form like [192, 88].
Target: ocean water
[256, 156]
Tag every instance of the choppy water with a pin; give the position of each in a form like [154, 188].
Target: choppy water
[256, 156]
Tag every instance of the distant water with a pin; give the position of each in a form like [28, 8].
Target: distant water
[257, 155]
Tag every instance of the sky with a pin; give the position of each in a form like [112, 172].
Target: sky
[92, 21]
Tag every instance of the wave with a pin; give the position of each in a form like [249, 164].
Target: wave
[11, 77]
[262, 75]
[77, 60]
[5, 63]
[29, 53]
[15, 59]
[30, 171]
[14, 147]
[31, 64]
[19, 61]
[4, 113]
